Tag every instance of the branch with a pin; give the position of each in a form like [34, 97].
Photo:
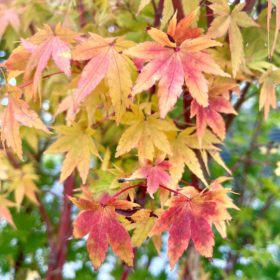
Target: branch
[238, 105]
[44, 77]
[59, 251]
[177, 5]
[209, 13]
[249, 6]
[46, 219]
[81, 10]
[158, 13]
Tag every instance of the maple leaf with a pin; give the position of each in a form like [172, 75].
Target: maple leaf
[8, 16]
[100, 221]
[218, 194]
[185, 151]
[210, 115]
[142, 223]
[43, 46]
[4, 210]
[175, 57]
[269, 80]
[156, 175]
[227, 21]
[22, 183]
[146, 133]
[106, 60]
[277, 27]
[78, 145]
[190, 217]
[16, 113]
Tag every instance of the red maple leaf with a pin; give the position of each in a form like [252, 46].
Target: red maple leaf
[100, 221]
[156, 175]
[178, 56]
[190, 217]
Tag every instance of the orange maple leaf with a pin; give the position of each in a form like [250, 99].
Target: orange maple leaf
[178, 56]
[190, 217]
[100, 221]
[16, 113]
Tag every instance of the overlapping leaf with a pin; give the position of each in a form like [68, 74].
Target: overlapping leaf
[146, 133]
[100, 221]
[186, 150]
[22, 184]
[227, 21]
[268, 100]
[190, 217]
[176, 57]
[106, 60]
[39, 49]
[210, 115]
[156, 175]
[79, 146]
[16, 113]
[142, 223]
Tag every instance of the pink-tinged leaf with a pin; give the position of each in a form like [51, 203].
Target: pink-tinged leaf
[8, 17]
[171, 65]
[211, 116]
[4, 210]
[206, 63]
[151, 73]
[61, 55]
[196, 83]
[170, 85]
[40, 55]
[38, 60]
[156, 175]
[92, 75]
[107, 60]
[6, 214]
[147, 51]
[44, 45]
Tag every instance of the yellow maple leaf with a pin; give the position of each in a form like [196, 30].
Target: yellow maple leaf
[229, 21]
[22, 183]
[142, 225]
[185, 149]
[269, 80]
[146, 133]
[78, 145]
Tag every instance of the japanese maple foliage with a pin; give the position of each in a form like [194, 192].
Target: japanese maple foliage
[135, 121]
